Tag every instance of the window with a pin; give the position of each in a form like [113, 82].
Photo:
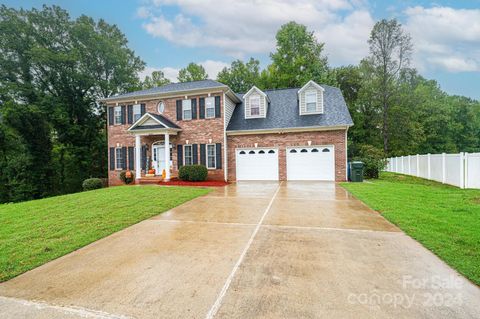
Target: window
[211, 156]
[251, 152]
[119, 158]
[254, 105]
[271, 152]
[311, 101]
[188, 155]
[161, 107]
[187, 109]
[293, 151]
[261, 152]
[117, 111]
[137, 112]
[325, 150]
[209, 107]
[314, 150]
[242, 152]
[303, 151]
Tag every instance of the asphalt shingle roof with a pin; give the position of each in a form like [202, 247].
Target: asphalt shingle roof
[170, 88]
[283, 112]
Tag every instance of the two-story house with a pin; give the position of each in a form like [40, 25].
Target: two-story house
[285, 134]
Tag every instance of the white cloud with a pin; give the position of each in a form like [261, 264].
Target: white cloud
[240, 28]
[445, 38]
[212, 68]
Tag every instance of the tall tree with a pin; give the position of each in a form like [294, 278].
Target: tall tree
[390, 51]
[157, 78]
[240, 76]
[193, 72]
[298, 58]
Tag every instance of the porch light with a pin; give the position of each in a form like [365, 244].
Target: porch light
[186, 141]
[309, 143]
[209, 141]
[256, 144]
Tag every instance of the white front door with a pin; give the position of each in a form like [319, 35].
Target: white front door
[257, 164]
[311, 163]
[158, 160]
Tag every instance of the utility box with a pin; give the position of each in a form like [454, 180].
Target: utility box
[356, 171]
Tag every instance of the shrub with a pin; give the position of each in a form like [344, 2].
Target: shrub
[373, 160]
[91, 184]
[125, 179]
[193, 173]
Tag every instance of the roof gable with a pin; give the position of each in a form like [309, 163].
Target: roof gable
[309, 84]
[153, 121]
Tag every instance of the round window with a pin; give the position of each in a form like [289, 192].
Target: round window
[161, 107]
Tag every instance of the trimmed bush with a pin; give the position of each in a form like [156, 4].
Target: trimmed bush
[91, 184]
[373, 160]
[193, 173]
[125, 179]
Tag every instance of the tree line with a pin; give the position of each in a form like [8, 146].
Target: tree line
[54, 68]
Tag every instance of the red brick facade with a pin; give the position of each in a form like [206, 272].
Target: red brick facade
[283, 140]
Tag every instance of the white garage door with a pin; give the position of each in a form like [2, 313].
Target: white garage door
[311, 163]
[257, 164]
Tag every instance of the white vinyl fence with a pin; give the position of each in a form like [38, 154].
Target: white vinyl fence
[461, 170]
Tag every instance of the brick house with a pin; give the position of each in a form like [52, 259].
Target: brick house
[285, 134]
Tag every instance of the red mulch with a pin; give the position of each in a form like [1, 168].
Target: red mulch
[177, 182]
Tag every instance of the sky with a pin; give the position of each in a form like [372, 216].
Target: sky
[169, 34]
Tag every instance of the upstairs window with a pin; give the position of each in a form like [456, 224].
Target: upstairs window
[209, 107]
[137, 112]
[117, 111]
[188, 155]
[311, 101]
[255, 105]
[187, 109]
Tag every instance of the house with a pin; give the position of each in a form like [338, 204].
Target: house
[284, 134]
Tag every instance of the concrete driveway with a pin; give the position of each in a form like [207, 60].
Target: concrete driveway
[250, 250]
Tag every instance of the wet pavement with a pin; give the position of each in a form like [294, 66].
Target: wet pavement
[249, 250]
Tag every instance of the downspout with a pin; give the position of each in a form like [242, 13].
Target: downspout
[346, 154]
[225, 160]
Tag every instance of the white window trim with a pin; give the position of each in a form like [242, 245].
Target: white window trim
[212, 99]
[255, 97]
[315, 93]
[214, 156]
[116, 159]
[184, 108]
[115, 108]
[191, 152]
[139, 108]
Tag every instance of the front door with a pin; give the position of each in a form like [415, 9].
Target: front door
[158, 161]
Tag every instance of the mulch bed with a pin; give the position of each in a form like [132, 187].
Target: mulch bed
[177, 182]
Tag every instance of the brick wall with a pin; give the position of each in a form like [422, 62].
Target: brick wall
[197, 131]
[283, 140]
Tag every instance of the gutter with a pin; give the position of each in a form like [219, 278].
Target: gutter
[289, 130]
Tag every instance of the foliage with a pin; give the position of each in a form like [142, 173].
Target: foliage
[373, 160]
[91, 184]
[240, 77]
[125, 179]
[62, 224]
[193, 173]
[193, 72]
[444, 219]
[157, 78]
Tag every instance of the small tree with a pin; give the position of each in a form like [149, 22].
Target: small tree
[373, 160]
[193, 72]
[156, 79]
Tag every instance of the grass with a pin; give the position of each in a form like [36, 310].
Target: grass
[35, 232]
[445, 219]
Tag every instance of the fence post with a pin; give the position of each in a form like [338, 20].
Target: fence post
[463, 170]
[409, 165]
[443, 168]
[418, 166]
[429, 175]
[403, 165]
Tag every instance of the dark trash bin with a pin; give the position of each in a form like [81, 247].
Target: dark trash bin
[356, 171]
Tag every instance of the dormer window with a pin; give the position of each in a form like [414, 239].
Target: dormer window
[310, 98]
[256, 103]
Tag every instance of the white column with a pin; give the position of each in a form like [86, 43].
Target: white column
[138, 156]
[167, 156]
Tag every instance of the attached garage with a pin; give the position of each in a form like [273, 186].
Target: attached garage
[311, 163]
[257, 164]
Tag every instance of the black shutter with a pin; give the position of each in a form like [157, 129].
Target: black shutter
[203, 160]
[143, 157]
[131, 158]
[124, 118]
[112, 158]
[179, 156]
[194, 109]
[142, 109]
[195, 153]
[218, 152]
[179, 110]
[201, 104]
[110, 115]
[217, 106]
[130, 114]
[124, 158]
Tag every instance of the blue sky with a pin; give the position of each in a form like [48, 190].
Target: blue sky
[168, 34]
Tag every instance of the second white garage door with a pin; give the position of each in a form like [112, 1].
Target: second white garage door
[311, 163]
[257, 164]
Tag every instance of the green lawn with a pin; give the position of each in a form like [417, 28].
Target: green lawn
[445, 219]
[35, 232]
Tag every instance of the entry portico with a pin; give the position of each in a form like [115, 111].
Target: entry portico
[153, 125]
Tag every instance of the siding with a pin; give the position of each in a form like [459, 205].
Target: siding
[311, 87]
[229, 108]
